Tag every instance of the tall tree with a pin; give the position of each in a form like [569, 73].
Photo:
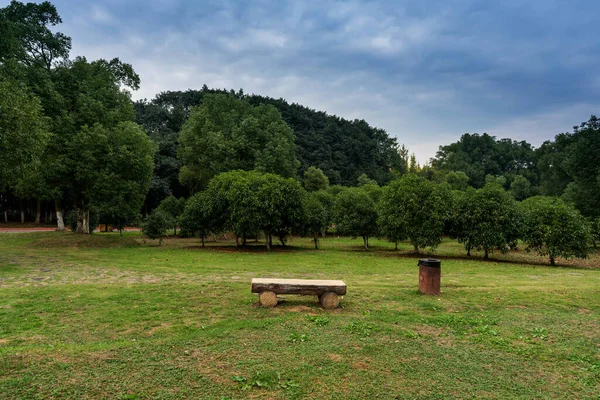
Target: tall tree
[416, 209]
[355, 214]
[23, 133]
[226, 133]
[487, 219]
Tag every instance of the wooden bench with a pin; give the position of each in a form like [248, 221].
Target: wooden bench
[326, 291]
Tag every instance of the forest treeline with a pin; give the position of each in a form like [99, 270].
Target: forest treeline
[74, 146]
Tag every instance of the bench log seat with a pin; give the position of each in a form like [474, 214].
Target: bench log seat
[326, 290]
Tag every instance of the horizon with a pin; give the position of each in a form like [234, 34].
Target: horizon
[425, 73]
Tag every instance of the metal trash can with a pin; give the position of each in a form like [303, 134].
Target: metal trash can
[430, 273]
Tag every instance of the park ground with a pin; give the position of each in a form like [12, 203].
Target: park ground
[105, 316]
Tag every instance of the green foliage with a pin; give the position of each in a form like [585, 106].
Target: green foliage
[520, 188]
[23, 133]
[93, 220]
[365, 180]
[174, 208]
[415, 209]
[355, 214]
[481, 155]
[555, 229]
[247, 202]
[27, 37]
[487, 219]
[318, 214]
[457, 180]
[318, 320]
[226, 133]
[124, 169]
[156, 225]
[315, 179]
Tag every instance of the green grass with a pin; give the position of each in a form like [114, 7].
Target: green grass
[112, 317]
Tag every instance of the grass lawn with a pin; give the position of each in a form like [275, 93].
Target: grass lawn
[111, 317]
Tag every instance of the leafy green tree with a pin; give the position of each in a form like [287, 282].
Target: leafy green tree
[27, 37]
[93, 106]
[156, 225]
[173, 207]
[520, 188]
[457, 180]
[488, 219]
[583, 166]
[315, 179]
[365, 180]
[317, 215]
[481, 155]
[416, 209]
[355, 214]
[197, 216]
[554, 229]
[23, 133]
[124, 169]
[226, 133]
[495, 179]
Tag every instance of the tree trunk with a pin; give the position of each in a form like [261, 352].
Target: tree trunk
[5, 216]
[268, 241]
[366, 242]
[282, 238]
[202, 240]
[244, 240]
[469, 251]
[552, 262]
[22, 211]
[416, 248]
[316, 239]
[83, 220]
[237, 241]
[38, 212]
[486, 254]
[60, 223]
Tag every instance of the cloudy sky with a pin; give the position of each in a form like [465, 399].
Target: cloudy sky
[425, 71]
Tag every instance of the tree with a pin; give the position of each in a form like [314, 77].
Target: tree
[555, 229]
[156, 226]
[481, 155]
[125, 170]
[27, 37]
[583, 166]
[174, 208]
[364, 180]
[317, 215]
[315, 179]
[487, 219]
[226, 133]
[457, 180]
[23, 133]
[520, 187]
[92, 107]
[416, 209]
[355, 214]
[196, 218]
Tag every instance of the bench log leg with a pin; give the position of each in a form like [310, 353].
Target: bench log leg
[267, 299]
[329, 300]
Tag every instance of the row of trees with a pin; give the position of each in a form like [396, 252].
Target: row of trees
[567, 166]
[249, 203]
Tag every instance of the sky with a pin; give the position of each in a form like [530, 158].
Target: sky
[425, 71]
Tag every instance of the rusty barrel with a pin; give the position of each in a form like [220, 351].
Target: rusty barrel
[430, 273]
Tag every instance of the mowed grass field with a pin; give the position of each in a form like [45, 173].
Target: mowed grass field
[106, 316]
